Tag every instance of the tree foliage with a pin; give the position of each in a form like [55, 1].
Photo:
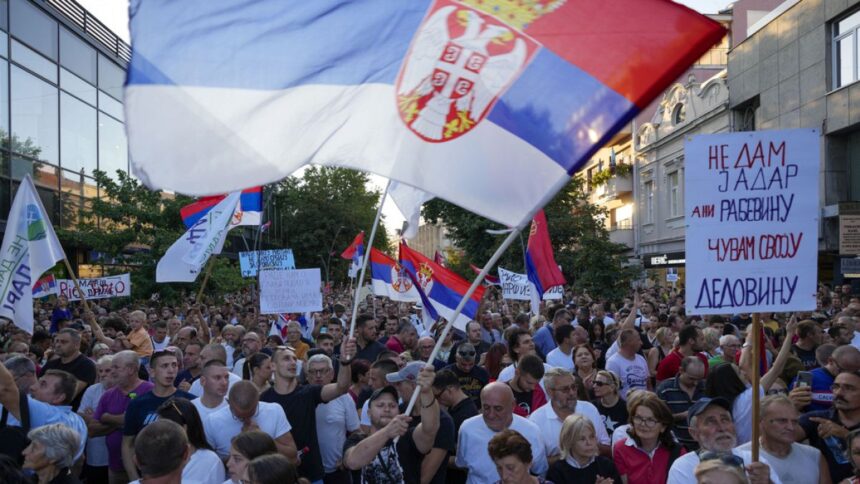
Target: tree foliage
[321, 212]
[133, 227]
[590, 261]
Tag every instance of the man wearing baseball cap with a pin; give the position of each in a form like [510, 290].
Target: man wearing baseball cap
[376, 454]
[431, 465]
[711, 425]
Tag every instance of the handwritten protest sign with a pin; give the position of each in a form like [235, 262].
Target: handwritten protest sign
[290, 291]
[249, 262]
[752, 221]
[97, 288]
[516, 286]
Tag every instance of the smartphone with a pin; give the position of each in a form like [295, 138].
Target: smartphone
[804, 379]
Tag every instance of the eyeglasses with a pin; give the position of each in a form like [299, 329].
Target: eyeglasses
[466, 354]
[173, 405]
[646, 421]
[777, 391]
[725, 458]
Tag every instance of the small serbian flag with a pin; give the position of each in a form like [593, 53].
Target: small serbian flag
[45, 287]
[439, 259]
[542, 270]
[488, 279]
[355, 251]
[389, 279]
[443, 287]
[250, 208]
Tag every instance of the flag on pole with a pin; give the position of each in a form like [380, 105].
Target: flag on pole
[389, 279]
[355, 251]
[186, 257]
[541, 268]
[489, 105]
[439, 259]
[250, 208]
[443, 287]
[45, 286]
[30, 247]
[409, 201]
[488, 279]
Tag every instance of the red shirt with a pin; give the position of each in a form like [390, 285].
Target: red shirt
[671, 365]
[395, 345]
[638, 466]
[538, 401]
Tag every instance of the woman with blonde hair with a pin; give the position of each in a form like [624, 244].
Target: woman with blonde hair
[719, 472]
[650, 449]
[662, 347]
[580, 460]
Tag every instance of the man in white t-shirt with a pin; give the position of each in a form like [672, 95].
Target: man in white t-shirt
[711, 425]
[210, 352]
[160, 340]
[630, 367]
[214, 379]
[246, 412]
[497, 405]
[562, 355]
[334, 420]
[792, 461]
[561, 390]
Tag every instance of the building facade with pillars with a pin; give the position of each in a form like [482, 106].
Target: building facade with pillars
[799, 69]
[432, 238]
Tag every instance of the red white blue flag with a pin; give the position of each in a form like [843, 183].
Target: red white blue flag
[250, 208]
[491, 105]
[355, 252]
[541, 267]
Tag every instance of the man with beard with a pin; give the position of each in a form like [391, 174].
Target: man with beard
[711, 425]
[691, 341]
[827, 429]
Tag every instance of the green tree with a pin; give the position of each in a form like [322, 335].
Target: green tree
[320, 213]
[135, 226]
[590, 261]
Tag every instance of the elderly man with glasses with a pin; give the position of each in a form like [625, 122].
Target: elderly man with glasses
[562, 389]
[792, 461]
[682, 392]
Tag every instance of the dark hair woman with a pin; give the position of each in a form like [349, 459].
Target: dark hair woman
[204, 465]
[258, 369]
[650, 449]
[246, 447]
[512, 454]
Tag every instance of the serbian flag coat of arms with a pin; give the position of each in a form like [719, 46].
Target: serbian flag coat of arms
[390, 279]
[443, 287]
[489, 104]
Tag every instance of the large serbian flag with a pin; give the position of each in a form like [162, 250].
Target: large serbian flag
[250, 208]
[443, 287]
[389, 279]
[491, 105]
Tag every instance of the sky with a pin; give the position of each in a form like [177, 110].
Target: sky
[114, 14]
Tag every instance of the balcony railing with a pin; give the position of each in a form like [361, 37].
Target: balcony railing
[81, 17]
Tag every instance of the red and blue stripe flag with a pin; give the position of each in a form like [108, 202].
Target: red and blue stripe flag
[355, 251]
[250, 203]
[541, 267]
[443, 288]
[491, 105]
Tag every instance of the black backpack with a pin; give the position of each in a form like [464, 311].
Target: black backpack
[13, 440]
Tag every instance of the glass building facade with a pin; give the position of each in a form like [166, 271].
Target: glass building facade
[61, 116]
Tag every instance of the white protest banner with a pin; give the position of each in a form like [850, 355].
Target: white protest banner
[516, 287]
[267, 259]
[290, 291]
[752, 221]
[97, 288]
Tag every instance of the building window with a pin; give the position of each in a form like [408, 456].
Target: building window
[679, 115]
[34, 117]
[845, 33]
[649, 202]
[673, 181]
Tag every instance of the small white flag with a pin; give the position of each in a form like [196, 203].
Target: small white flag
[184, 259]
[30, 248]
[409, 201]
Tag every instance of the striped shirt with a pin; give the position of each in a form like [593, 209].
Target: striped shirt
[679, 401]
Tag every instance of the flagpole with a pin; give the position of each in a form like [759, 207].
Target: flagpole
[206, 278]
[466, 297]
[366, 258]
[755, 364]
[486, 270]
[77, 284]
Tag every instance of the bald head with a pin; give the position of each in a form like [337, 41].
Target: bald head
[213, 351]
[847, 357]
[497, 406]
[244, 396]
[126, 358]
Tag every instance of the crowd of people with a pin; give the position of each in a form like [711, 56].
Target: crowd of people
[585, 390]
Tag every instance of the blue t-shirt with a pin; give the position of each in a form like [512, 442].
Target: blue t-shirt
[42, 414]
[142, 410]
[544, 339]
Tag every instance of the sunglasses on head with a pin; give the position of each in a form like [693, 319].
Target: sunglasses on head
[724, 457]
